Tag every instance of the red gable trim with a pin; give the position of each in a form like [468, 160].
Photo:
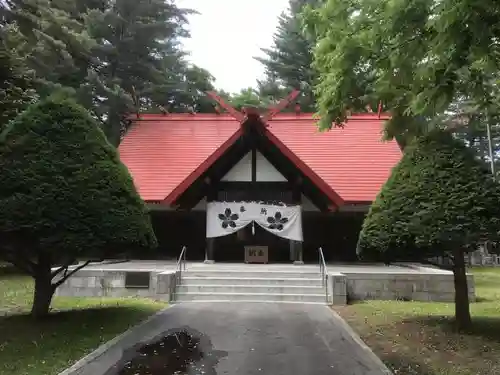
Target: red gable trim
[318, 181]
[202, 168]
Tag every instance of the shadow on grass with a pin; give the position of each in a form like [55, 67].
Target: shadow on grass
[95, 316]
[47, 346]
[483, 299]
[400, 364]
[482, 327]
[72, 324]
[9, 270]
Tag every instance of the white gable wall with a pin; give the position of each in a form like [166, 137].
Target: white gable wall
[201, 206]
[266, 171]
[242, 171]
[307, 205]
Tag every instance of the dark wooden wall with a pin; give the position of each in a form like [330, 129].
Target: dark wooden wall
[177, 229]
[337, 234]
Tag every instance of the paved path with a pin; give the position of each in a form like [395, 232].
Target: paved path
[247, 339]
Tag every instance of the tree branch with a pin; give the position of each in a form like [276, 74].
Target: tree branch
[65, 268]
[69, 274]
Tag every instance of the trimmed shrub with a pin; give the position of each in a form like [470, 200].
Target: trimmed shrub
[64, 194]
[439, 201]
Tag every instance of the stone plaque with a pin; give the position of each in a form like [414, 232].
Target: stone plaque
[137, 280]
[256, 254]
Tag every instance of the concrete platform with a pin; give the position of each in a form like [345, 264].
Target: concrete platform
[238, 281]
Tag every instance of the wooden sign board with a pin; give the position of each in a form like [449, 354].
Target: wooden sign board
[256, 254]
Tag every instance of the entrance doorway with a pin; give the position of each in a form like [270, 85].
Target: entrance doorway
[231, 248]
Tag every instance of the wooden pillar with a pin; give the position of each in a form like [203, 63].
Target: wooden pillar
[209, 252]
[297, 245]
[210, 246]
[298, 253]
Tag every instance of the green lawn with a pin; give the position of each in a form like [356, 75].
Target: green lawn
[415, 338]
[48, 347]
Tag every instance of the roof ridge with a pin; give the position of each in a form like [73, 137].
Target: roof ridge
[283, 116]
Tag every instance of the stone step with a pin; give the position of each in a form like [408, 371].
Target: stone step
[245, 289]
[250, 297]
[251, 274]
[253, 301]
[197, 280]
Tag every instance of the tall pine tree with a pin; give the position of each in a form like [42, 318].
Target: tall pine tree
[136, 40]
[53, 43]
[16, 90]
[113, 56]
[288, 62]
[142, 63]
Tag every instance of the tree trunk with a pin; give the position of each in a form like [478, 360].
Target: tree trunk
[462, 310]
[42, 297]
[43, 287]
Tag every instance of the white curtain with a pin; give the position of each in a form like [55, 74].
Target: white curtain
[224, 218]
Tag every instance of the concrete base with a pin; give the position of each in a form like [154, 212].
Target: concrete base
[207, 261]
[268, 282]
[111, 283]
[298, 263]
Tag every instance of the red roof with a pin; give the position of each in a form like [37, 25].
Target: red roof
[161, 152]
[165, 154]
[352, 160]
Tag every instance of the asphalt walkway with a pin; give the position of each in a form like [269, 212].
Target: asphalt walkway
[236, 339]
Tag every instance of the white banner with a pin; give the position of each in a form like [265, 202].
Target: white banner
[224, 218]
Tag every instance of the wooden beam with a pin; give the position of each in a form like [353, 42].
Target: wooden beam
[228, 107]
[281, 105]
[254, 164]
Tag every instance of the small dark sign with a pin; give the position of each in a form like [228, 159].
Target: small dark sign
[137, 280]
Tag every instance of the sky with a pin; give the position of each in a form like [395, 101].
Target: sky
[227, 34]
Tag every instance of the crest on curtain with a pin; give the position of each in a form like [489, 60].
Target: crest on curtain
[224, 218]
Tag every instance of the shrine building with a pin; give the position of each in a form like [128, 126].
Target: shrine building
[225, 182]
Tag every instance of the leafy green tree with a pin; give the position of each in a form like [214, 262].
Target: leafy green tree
[474, 134]
[439, 201]
[248, 97]
[64, 194]
[271, 91]
[417, 57]
[288, 62]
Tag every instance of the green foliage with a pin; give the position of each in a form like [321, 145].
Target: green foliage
[64, 191]
[55, 45]
[15, 86]
[112, 57]
[247, 98]
[288, 62]
[140, 60]
[417, 57]
[437, 199]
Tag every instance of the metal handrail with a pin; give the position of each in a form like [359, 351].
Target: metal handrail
[181, 265]
[323, 273]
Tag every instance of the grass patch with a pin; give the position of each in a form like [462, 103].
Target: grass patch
[416, 338]
[76, 327]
